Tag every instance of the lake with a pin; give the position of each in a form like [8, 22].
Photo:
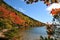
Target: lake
[34, 33]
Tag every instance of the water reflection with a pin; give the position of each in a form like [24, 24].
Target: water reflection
[35, 33]
[38, 31]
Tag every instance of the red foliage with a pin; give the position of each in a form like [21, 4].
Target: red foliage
[14, 18]
[55, 11]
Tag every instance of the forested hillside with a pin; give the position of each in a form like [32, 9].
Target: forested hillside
[7, 13]
[10, 18]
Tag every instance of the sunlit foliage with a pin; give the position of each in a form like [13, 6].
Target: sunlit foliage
[47, 2]
[55, 11]
[13, 20]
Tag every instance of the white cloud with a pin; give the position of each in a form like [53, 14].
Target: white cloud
[53, 6]
[22, 10]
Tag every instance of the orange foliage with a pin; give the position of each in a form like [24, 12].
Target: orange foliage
[55, 11]
[14, 18]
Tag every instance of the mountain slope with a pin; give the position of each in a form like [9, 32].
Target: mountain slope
[11, 16]
[12, 20]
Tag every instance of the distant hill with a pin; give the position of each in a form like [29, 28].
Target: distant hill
[11, 17]
[12, 20]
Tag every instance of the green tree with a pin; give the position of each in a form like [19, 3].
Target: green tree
[11, 33]
[2, 25]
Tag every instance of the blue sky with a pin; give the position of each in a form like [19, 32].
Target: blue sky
[36, 10]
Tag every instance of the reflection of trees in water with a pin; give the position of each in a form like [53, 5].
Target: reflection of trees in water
[50, 33]
[53, 30]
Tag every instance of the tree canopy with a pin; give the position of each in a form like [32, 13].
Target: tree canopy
[47, 2]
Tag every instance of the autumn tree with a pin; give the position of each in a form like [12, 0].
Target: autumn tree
[47, 2]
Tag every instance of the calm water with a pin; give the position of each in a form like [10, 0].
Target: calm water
[34, 33]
